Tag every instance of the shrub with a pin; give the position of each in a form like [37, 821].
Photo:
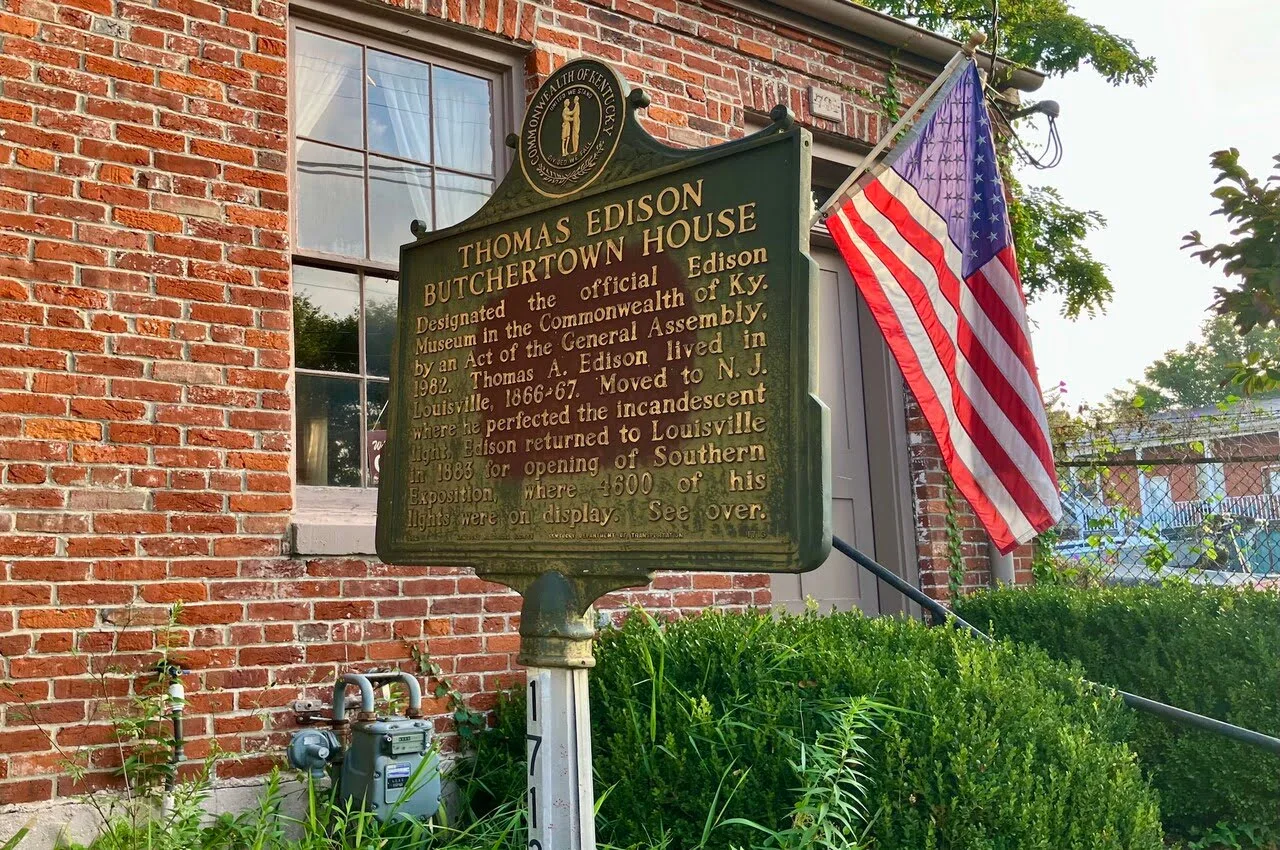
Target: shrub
[987, 747]
[1215, 651]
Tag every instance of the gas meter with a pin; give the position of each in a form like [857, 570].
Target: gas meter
[388, 766]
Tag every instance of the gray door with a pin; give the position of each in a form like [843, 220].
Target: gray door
[871, 506]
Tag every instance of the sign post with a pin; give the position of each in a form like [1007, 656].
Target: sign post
[555, 647]
[608, 370]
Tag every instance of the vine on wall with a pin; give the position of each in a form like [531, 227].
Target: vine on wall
[469, 722]
[889, 99]
[955, 544]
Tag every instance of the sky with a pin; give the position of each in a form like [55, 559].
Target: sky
[1140, 156]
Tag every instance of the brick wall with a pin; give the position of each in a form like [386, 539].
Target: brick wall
[145, 384]
[1248, 478]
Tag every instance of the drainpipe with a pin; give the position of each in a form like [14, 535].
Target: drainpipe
[1002, 572]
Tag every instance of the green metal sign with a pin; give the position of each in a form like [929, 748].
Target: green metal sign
[611, 367]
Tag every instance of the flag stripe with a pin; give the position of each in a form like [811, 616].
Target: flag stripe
[1003, 373]
[985, 300]
[1001, 299]
[998, 271]
[1005, 320]
[915, 352]
[990, 429]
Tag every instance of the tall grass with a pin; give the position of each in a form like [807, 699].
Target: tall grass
[324, 823]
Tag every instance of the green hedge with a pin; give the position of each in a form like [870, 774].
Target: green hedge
[988, 747]
[1215, 651]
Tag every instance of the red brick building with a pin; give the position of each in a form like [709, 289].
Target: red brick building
[200, 202]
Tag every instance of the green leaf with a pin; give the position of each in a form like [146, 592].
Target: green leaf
[1252, 255]
[1045, 34]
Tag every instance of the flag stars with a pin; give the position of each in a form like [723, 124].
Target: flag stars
[953, 166]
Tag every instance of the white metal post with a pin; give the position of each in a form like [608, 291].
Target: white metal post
[561, 795]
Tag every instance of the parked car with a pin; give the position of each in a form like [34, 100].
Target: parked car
[1232, 552]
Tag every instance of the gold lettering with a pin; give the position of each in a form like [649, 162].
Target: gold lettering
[748, 479]
[677, 233]
[660, 512]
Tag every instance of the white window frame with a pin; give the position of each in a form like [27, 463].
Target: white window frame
[340, 520]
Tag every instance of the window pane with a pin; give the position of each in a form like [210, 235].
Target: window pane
[376, 436]
[326, 316]
[327, 81]
[330, 199]
[463, 121]
[399, 106]
[459, 196]
[398, 193]
[380, 296]
[329, 436]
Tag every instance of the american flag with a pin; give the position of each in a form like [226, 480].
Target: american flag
[926, 236]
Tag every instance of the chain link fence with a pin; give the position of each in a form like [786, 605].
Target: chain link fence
[1209, 520]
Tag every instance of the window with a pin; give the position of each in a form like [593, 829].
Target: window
[343, 324]
[1211, 482]
[382, 136]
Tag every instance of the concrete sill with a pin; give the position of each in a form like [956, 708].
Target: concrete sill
[334, 521]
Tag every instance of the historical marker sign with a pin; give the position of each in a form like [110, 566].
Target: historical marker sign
[611, 366]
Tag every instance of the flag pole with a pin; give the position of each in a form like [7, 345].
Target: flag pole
[964, 53]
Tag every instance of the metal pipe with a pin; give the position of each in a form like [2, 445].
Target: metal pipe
[177, 696]
[943, 614]
[178, 699]
[340, 697]
[378, 678]
[415, 694]
[1190, 718]
[937, 613]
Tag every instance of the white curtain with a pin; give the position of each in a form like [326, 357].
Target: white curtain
[457, 197]
[406, 92]
[1212, 481]
[463, 122]
[404, 88]
[319, 77]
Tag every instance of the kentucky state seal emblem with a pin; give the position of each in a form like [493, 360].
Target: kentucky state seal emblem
[571, 128]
